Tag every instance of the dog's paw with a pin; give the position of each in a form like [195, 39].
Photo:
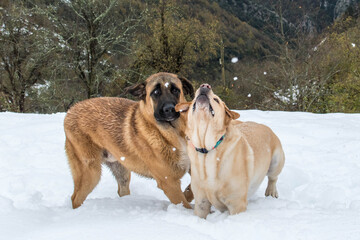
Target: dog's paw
[188, 194]
[123, 192]
[271, 191]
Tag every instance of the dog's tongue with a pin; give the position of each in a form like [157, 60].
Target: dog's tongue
[202, 101]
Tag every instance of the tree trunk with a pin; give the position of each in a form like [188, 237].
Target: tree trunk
[222, 62]
[21, 102]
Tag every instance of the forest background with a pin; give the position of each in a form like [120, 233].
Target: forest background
[271, 55]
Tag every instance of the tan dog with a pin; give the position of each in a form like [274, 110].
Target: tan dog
[229, 159]
[146, 137]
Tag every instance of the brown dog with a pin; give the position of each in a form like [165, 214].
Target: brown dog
[229, 159]
[146, 137]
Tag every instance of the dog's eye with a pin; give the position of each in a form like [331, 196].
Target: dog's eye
[216, 100]
[156, 92]
[175, 91]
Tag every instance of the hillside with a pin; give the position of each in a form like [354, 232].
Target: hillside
[56, 53]
[310, 16]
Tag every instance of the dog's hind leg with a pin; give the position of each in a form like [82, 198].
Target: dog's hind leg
[276, 165]
[122, 176]
[85, 169]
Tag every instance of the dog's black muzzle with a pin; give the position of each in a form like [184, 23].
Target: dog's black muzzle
[167, 113]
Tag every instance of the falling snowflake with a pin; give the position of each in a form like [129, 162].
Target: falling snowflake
[165, 177]
[249, 95]
[218, 159]
[234, 60]
[122, 158]
[353, 44]
[265, 73]
[167, 85]
[174, 149]
[235, 78]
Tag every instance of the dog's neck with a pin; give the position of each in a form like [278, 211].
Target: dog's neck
[165, 129]
[204, 135]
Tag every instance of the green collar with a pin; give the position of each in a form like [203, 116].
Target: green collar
[204, 150]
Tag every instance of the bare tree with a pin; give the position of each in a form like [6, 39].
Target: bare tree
[94, 34]
[24, 53]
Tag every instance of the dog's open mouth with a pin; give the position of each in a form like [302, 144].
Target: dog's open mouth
[203, 102]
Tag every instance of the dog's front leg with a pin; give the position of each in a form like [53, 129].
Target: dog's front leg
[202, 205]
[167, 182]
[172, 189]
[237, 204]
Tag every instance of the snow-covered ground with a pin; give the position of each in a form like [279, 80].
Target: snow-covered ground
[319, 188]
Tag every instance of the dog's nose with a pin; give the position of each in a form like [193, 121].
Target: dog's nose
[169, 108]
[205, 85]
[204, 88]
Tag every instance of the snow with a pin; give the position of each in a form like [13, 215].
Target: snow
[289, 95]
[353, 44]
[167, 84]
[234, 60]
[122, 158]
[235, 78]
[319, 188]
[265, 73]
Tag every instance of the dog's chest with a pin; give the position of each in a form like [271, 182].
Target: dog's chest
[178, 155]
[183, 158]
[212, 181]
[209, 168]
[213, 175]
[184, 161]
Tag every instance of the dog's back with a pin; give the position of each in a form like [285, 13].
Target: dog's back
[92, 113]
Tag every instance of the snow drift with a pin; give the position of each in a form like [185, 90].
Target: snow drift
[319, 188]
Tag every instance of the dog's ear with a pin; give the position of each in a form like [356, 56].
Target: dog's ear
[182, 107]
[233, 115]
[188, 88]
[138, 90]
